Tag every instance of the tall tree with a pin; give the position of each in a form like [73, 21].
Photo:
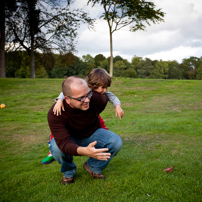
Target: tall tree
[122, 13]
[6, 9]
[44, 25]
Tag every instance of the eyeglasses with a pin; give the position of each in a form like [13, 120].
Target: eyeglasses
[82, 99]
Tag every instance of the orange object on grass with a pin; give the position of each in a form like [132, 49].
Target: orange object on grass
[168, 169]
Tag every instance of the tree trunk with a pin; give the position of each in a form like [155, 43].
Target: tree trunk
[32, 58]
[2, 41]
[111, 53]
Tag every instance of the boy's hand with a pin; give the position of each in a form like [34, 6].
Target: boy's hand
[58, 106]
[119, 111]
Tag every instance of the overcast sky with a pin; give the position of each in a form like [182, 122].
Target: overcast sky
[179, 37]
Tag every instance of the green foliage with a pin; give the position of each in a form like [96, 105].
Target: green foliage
[63, 65]
[41, 72]
[24, 71]
[78, 68]
[192, 74]
[89, 67]
[129, 73]
[145, 68]
[117, 58]
[160, 70]
[136, 13]
[13, 62]
[89, 64]
[58, 72]
[199, 73]
[47, 60]
[98, 59]
[183, 71]
[136, 61]
[191, 65]
[104, 64]
[158, 131]
[173, 70]
[119, 67]
[155, 74]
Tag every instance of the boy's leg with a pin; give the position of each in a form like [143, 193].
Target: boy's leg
[49, 159]
[68, 167]
[102, 123]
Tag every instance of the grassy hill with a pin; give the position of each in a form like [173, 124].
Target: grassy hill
[161, 128]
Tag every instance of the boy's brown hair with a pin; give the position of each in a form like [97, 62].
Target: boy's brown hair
[98, 77]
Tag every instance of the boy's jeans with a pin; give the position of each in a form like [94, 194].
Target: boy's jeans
[104, 138]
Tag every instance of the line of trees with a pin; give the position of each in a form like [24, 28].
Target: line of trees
[49, 65]
[47, 25]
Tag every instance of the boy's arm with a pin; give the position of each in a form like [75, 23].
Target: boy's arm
[117, 104]
[59, 104]
[112, 98]
[61, 96]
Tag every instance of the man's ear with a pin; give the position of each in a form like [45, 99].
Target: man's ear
[67, 99]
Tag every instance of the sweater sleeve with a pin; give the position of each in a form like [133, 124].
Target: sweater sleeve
[112, 98]
[61, 134]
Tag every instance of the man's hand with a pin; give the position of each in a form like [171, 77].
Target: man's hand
[119, 111]
[91, 151]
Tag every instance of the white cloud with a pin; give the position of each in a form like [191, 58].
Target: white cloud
[180, 36]
[177, 54]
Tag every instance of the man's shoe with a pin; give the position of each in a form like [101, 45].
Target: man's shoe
[47, 160]
[94, 175]
[67, 180]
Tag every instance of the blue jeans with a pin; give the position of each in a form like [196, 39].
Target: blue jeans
[104, 138]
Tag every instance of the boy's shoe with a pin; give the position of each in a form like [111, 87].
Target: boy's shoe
[47, 160]
[94, 175]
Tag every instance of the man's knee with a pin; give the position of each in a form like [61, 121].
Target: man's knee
[115, 143]
[55, 151]
[118, 145]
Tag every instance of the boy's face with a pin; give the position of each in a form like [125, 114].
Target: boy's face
[101, 89]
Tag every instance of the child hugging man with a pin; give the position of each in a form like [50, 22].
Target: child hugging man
[98, 80]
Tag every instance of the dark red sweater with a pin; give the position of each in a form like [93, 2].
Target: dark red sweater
[76, 123]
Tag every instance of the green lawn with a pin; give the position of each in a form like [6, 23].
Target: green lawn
[160, 130]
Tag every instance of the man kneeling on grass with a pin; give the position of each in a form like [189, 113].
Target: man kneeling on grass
[77, 131]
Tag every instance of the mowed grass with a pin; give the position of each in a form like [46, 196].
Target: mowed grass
[162, 127]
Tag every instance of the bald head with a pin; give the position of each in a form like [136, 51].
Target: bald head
[72, 83]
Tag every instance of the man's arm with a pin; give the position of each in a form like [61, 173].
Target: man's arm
[91, 151]
[61, 134]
